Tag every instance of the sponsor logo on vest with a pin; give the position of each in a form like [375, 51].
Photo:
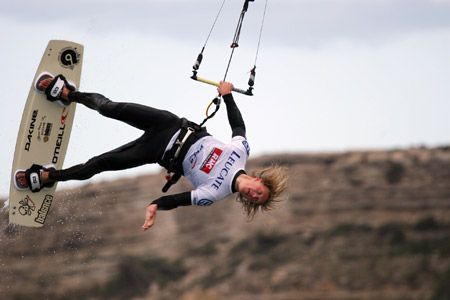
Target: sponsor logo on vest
[59, 139]
[247, 147]
[225, 170]
[43, 211]
[31, 130]
[211, 160]
[204, 202]
[193, 157]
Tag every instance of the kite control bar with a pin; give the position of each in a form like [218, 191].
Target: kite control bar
[247, 92]
[234, 45]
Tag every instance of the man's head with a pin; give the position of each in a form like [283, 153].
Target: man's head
[254, 191]
[263, 190]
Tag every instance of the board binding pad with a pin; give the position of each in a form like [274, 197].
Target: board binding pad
[44, 132]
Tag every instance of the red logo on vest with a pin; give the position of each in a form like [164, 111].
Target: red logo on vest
[211, 160]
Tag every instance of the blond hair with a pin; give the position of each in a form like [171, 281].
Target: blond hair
[275, 178]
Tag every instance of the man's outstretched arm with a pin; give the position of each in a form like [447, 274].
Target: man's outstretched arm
[165, 203]
[234, 115]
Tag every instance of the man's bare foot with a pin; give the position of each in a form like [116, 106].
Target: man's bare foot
[46, 82]
[21, 178]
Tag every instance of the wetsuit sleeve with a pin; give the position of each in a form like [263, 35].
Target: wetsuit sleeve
[234, 116]
[173, 201]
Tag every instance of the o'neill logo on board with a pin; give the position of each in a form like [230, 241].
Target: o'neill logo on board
[211, 160]
[59, 139]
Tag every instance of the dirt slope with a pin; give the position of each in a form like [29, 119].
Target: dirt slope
[358, 225]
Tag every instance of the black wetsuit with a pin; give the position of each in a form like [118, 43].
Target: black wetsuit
[159, 127]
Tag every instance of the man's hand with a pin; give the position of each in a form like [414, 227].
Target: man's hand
[150, 216]
[225, 88]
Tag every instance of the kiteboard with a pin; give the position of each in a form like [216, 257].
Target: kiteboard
[44, 132]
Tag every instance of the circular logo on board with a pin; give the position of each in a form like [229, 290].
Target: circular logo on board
[69, 57]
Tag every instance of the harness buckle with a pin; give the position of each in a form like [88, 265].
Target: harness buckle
[172, 179]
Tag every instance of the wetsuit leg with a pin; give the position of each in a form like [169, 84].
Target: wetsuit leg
[133, 154]
[159, 127]
[137, 115]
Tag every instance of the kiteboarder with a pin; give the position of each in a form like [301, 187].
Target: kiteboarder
[214, 168]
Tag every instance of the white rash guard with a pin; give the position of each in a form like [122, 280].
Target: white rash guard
[211, 166]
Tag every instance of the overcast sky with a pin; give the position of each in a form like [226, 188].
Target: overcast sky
[332, 75]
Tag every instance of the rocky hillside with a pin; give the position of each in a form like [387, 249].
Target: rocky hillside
[357, 225]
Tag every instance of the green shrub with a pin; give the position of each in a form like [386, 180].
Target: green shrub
[394, 172]
[442, 288]
[426, 247]
[134, 275]
[347, 228]
[426, 223]
[394, 232]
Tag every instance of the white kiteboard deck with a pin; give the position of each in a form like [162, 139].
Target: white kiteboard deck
[44, 132]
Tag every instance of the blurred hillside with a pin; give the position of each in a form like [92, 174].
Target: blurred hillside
[358, 225]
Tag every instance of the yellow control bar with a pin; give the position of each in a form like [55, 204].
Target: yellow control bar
[245, 92]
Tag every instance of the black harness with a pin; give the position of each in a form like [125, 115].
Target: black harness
[172, 160]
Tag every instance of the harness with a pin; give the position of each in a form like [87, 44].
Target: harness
[190, 133]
